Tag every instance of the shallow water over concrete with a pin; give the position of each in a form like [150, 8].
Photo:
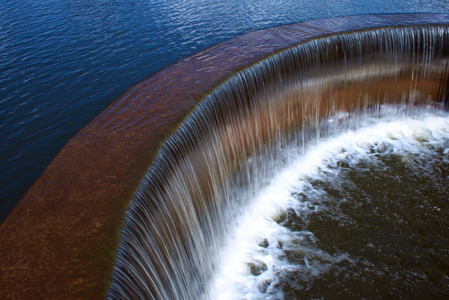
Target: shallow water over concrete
[61, 239]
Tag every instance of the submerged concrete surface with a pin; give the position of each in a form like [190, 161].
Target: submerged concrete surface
[61, 239]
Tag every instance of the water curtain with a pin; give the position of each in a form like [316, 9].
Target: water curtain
[188, 204]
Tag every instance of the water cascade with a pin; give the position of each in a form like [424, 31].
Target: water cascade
[204, 178]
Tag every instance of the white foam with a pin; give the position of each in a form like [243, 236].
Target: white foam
[261, 242]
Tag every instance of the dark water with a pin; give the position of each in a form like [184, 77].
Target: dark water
[382, 222]
[63, 62]
[393, 224]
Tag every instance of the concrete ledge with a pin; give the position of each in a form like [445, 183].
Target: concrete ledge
[61, 239]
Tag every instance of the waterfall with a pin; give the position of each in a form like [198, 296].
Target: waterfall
[229, 147]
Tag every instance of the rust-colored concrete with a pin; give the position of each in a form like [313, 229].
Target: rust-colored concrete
[61, 239]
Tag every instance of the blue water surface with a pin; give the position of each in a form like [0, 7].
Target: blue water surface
[62, 61]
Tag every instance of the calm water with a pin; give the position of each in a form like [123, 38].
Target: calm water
[63, 62]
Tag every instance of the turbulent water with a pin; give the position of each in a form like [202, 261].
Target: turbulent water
[360, 214]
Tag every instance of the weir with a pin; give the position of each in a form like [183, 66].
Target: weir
[187, 207]
[194, 142]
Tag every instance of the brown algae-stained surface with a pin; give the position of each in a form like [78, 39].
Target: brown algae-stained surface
[61, 240]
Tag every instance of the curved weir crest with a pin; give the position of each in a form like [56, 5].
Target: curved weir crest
[229, 148]
[294, 86]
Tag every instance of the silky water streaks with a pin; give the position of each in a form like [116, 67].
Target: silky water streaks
[213, 219]
[253, 104]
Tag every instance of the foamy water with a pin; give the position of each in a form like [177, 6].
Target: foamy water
[267, 249]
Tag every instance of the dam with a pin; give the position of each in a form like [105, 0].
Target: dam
[210, 145]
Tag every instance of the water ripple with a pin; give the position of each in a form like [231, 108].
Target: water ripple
[63, 62]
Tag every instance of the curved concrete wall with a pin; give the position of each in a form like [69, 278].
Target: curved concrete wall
[61, 240]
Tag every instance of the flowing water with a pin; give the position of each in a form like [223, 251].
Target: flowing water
[316, 173]
[362, 214]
